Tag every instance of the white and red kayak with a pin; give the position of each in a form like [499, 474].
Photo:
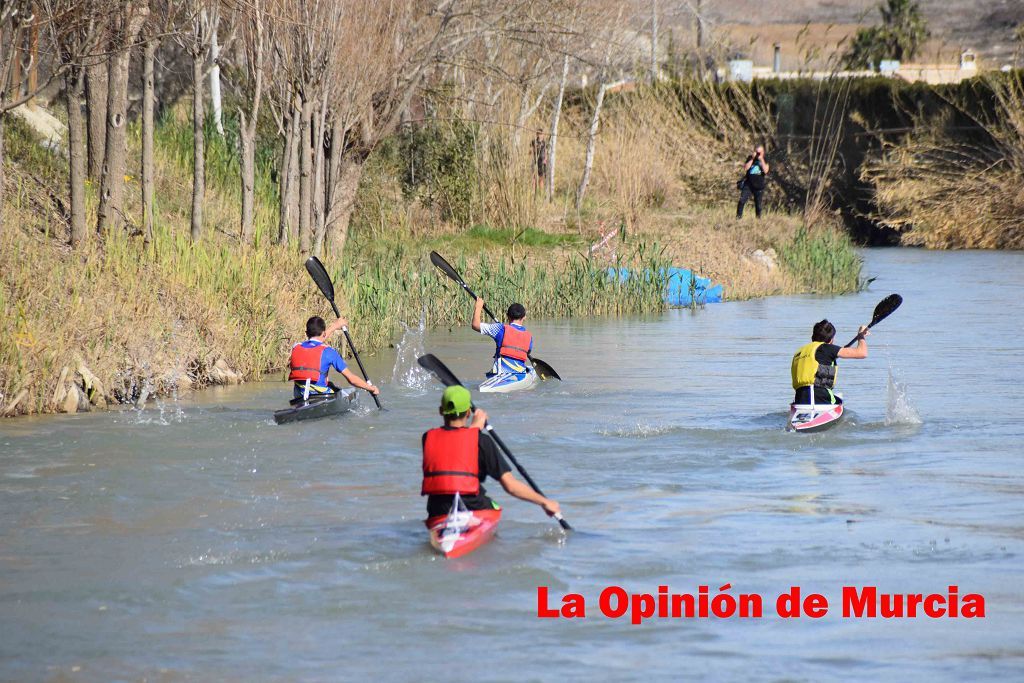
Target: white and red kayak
[813, 418]
[462, 531]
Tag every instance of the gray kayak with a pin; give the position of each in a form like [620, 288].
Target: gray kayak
[317, 407]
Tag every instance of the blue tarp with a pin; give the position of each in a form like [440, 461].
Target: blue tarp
[679, 291]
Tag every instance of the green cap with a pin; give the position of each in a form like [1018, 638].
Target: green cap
[455, 400]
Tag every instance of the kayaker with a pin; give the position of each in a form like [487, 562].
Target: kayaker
[513, 343]
[814, 364]
[313, 359]
[459, 456]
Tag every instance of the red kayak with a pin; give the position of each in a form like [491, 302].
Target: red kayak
[462, 531]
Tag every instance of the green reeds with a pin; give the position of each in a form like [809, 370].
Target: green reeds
[396, 286]
[824, 260]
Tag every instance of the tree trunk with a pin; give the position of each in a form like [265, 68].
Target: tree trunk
[293, 174]
[591, 142]
[247, 137]
[344, 202]
[305, 177]
[198, 141]
[319, 181]
[654, 41]
[700, 28]
[148, 123]
[215, 97]
[96, 108]
[77, 153]
[285, 178]
[3, 173]
[526, 110]
[111, 209]
[553, 137]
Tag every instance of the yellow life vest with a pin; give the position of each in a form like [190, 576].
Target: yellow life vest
[808, 372]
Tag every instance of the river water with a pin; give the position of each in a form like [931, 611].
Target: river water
[196, 540]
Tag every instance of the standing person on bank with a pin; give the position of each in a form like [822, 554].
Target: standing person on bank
[755, 172]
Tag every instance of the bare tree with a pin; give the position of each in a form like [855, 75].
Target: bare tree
[654, 41]
[16, 19]
[148, 128]
[124, 30]
[75, 33]
[595, 120]
[556, 116]
[257, 41]
[196, 43]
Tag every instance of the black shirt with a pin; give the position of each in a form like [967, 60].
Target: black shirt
[490, 463]
[756, 174]
[827, 354]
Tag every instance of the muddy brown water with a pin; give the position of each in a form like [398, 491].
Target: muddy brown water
[197, 540]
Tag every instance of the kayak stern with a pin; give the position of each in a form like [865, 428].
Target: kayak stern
[813, 418]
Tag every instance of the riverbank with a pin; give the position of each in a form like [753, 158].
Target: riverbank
[120, 319]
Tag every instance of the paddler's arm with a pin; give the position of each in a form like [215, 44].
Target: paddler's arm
[335, 327]
[516, 488]
[478, 310]
[861, 349]
[358, 382]
[508, 481]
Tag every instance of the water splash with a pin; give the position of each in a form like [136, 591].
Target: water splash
[167, 411]
[898, 409]
[407, 372]
[640, 430]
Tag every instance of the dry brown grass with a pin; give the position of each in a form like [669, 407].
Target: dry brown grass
[942, 194]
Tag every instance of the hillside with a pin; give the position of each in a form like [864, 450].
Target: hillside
[986, 26]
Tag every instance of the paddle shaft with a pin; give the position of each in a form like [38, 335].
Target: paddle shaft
[355, 354]
[526, 475]
[475, 297]
[870, 325]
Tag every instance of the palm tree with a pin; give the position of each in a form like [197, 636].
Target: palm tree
[900, 35]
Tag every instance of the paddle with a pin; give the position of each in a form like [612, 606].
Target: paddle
[323, 281]
[441, 371]
[543, 369]
[883, 310]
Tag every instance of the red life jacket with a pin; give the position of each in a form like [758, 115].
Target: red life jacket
[515, 343]
[305, 363]
[451, 462]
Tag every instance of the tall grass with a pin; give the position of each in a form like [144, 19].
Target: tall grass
[953, 191]
[173, 141]
[824, 260]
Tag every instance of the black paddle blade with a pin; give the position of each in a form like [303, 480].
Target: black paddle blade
[885, 307]
[445, 267]
[544, 371]
[883, 310]
[320, 277]
[431, 363]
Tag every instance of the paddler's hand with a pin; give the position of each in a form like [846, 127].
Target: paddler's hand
[479, 419]
[863, 332]
[479, 303]
[551, 507]
[372, 388]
